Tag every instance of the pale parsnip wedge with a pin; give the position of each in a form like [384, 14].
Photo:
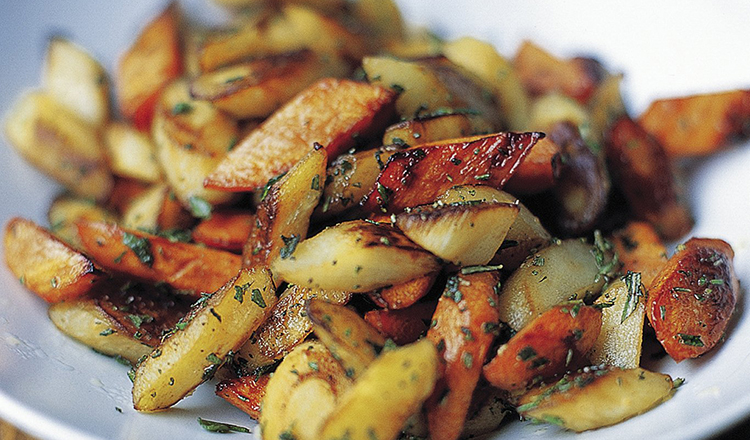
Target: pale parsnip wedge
[87, 323]
[189, 356]
[131, 153]
[624, 309]
[566, 270]
[354, 342]
[391, 390]
[283, 216]
[464, 233]
[60, 144]
[45, 265]
[354, 256]
[65, 210]
[526, 234]
[286, 327]
[595, 398]
[483, 60]
[155, 210]
[256, 88]
[549, 109]
[302, 392]
[76, 80]
[435, 128]
[191, 138]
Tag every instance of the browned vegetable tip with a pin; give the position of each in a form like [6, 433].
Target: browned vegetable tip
[640, 249]
[405, 325]
[405, 294]
[692, 299]
[246, 393]
[225, 229]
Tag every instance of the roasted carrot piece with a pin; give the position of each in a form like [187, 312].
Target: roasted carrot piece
[148, 65]
[403, 295]
[194, 269]
[418, 175]
[642, 169]
[692, 299]
[225, 229]
[700, 124]
[556, 340]
[539, 171]
[640, 249]
[403, 326]
[45, 265]
[246, 393]
[463, 328]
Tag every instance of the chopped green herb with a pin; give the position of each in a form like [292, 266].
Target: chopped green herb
[107, 332]
[468, 270]
[315, 184]
[485, 176]
[635, 292]
[181, 108]
[141, 246]
[199, 207]
[257, 298]
[467, 359]
[239, 291]
[313, 366]
[692, 340]
[290, 244]
[269, 184]
[220, 427]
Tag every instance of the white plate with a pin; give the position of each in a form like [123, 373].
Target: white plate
[55, 388]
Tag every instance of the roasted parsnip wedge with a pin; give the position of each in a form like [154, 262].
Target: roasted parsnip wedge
[76, 80]
[554, 342]
[154, 59]
[225, 229]
[354, 256]
[246, 392]
[418, 175]
[463, 328]
[310, 373]
[156, 209]
[191, 268]
[464, 233]
[594, 398]
[435, 128]
[692, 298]
[60, 144]
[351, 340]
[217, 326]
[286, 327]
[191, 138]
[283, 216]
[45, 265]
[606, 105]
[330, 112]
[405, 375]
[623, 306]
[382, 22]
[526, 234]
[66, 210]
[131, 153]
[700, 124]
[565, 270]
[483, 60]
[256, 88]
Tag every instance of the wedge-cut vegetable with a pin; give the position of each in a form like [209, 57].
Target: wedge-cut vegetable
[283, 216]
[526, 234]
[595, 398]
[405, 325]
[643, 172]
[330, 112]
[417, 43]
[570, 269]
[225, 229]
[286, 327]
[65, 210]
[124, 192]
[541, 72]
[256, 88]
[640, 250]
[246, 393]
[431, 86]
[382, 21]
[191, 268]
[555, 108]
[191, 138]
[76, 80]
[353, 341]
[623, 312]
[700, 124]
[349, 179]
[554, 342]
[692, 298]
[355, 256]
[405, 375]
[198, 347]
[435, 128]
[540, 170]
[131, 153]
[464, 233]
[45, 265]
[418, 175]
[296, 27]
[156, 210]
[304, 390]
[154, 59]
[483, 60]
[59, 143]
[606, 105]
[464, 326]
[405, 294]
